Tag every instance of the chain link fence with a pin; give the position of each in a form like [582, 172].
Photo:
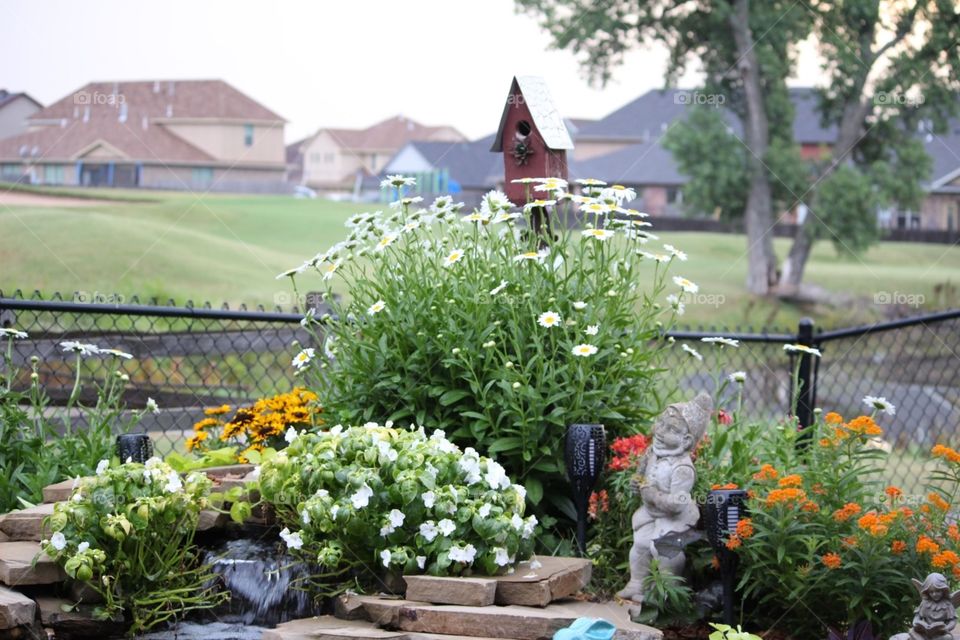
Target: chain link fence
[189, 358]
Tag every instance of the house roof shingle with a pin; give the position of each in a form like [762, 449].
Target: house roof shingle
[7, 97]
[640, 163]
[391, 134]
[471, 164]
[127, 116]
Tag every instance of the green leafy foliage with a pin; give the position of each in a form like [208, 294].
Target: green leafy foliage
[127, 534]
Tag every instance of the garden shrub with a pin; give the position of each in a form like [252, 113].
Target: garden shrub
[362, 501]
[823, 534]
[501, 337]
[43, 444]
[127, 533]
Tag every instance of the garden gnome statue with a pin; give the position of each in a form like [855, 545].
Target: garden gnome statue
[936, 616]
[665, 477]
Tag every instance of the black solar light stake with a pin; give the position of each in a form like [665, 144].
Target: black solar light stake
[585, 453]
[725, 508]
[136, 447]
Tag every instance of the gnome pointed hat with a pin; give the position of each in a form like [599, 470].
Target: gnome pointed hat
[696, 413]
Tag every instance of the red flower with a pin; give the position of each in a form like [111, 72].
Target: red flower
[626, 451]
[723, 417]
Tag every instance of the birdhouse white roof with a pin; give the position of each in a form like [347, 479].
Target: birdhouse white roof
[546, 118]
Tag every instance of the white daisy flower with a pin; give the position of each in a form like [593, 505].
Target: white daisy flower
[620, 193]
[376, 307]
[801, 348]
[497, 200]
[584, 350]
[290, 273]
[685, 284]
[880, 404]
[302, 359]
[551, 184]
[330, 269]
[536, 204]
[548, 319]
[12, 333]
[738, 377]
[728, 342]
[152, 406]
[385, 241]
[539, 256]
[592, 329]
[595, 207]
[500, 287]
[397, 181]
[453, 257]
[656, 257]
[84, 349]
[526, 180]
[579, 305]
[590, 182]
[693, 352]
[676, 253]
[597, 234]
[506, 216]
[674, 301]
[117, 353]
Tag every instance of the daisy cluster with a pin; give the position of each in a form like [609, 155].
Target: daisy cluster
[397, 499]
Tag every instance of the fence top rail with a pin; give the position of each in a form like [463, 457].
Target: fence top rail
[855, 332]
[742, 337]
[148, 310]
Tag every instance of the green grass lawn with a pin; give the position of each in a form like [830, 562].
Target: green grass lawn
[226, 248]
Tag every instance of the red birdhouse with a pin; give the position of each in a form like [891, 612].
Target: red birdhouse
[532, 136]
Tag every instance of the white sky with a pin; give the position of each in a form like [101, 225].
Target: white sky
[323, 63]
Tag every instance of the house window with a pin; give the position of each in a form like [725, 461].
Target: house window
[248, 135]
[202, 176]
[10, 170]
[53, 174]
[328, 158]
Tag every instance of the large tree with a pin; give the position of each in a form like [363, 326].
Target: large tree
[890, 67]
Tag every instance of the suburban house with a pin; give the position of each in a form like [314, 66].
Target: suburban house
[15, 108]
[941, 208]
[337, 160]
[466, 170]
[170, 134]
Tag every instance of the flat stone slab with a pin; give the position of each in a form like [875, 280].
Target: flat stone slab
[26, 524]
[473, 592]
[69, 618]
[17, 566]
[60, 491]
[15, 609]
[514, 622]
[555, 578]
[209, 519]
[230, 470]
[329, 628]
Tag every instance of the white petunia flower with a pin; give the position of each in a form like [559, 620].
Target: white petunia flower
[880, 404]
[429, 530]
[290, 435]
[484, 510]
[83, 546]
[174, 483]
[429, 498]
[465, 554]
[496, 476]
[421, 562]
[592, 329]
[361, 498]
[293, 540]
[517, 522]
[501, 557]
[386, 557]
[548, 319]
[446, 527]
[396, 517]
[102, 467]
[59, 541]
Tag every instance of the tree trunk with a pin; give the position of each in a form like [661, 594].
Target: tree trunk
[758, 217]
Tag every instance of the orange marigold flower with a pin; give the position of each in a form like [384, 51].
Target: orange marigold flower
[217, 411]
[810, 507]
[733, 543]
[868, 520]
[953, 532]
[831, 560]
[791, 481]
[846, 512]
[898, 546]
[893, 492]
[744, 528]
[783, 496]
[767, 472]
[833, 418]
[945, 559]
[938, 502]
[864, 425]
[948, 454]
[729, 485]
[926, 544]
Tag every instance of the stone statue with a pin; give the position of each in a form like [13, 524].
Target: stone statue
[936, 616]
[665, 477]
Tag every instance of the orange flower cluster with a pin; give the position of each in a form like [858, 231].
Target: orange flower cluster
[626, 451]
[786, 496]
[846, 512]
[767, 472]
[743, 531]
[859, 426]
[938, 502]
[833, 418]
[790, 481]
[259, 425]
[831, 560]
[599, 503]
[864, 425]
[945, 559]
[898, 546]
[876, 524]
[953, 532]
[948, 454]
[723, 487]
[925, 544]
[893, 492]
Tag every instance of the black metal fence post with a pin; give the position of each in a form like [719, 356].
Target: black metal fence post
[806, 392]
